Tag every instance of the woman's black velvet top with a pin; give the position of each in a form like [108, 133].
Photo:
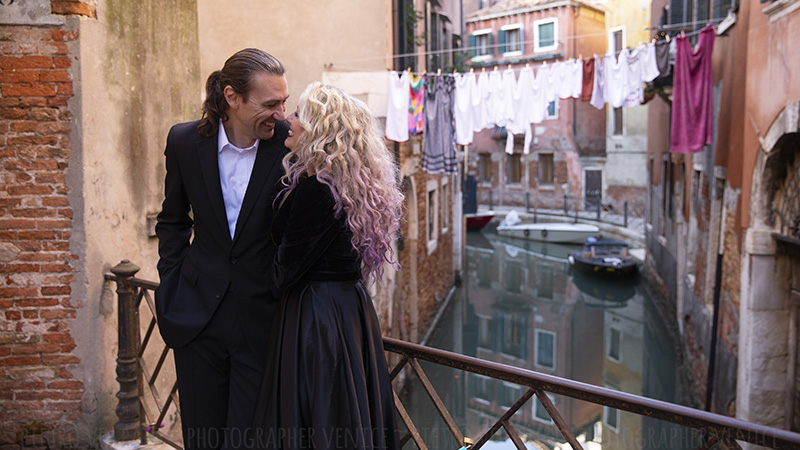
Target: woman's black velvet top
[313, 244]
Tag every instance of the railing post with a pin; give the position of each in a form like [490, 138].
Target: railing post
[527, 201]
[597, 205]
[128, 410]
[566, 207]
[491, 203]
[626, 214]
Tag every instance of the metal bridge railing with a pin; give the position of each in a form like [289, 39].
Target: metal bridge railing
[592, 209]
[143, 406]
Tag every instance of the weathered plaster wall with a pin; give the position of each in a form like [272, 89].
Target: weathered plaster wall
[138, 75]
[304, 36]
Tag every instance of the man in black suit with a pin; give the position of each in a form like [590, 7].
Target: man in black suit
[216, 300]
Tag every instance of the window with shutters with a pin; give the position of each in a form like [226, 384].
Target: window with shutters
[616, 40]
[432, 218]
[484, 168]
[546, 175]
[681, 13]
[480, 44]
[545, 33]
[545, 353]
[509, 40]
[514, 169]
[618, 122]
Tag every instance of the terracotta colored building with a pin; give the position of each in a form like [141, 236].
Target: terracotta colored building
[723, 222]
[570, 144]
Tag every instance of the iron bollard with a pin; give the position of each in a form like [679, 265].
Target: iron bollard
[129, 409]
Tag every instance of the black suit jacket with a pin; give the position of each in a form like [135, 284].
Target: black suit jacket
[197, 271]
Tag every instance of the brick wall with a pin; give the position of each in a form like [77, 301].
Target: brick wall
[37, 390]
[435, 271]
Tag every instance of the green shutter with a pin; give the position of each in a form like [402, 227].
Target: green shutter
[471, 43]
[489, 43]
[521, 43]
[501, 42]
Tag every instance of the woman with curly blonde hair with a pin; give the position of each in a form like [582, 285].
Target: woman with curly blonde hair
[326, 383]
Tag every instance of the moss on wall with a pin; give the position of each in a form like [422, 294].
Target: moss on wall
[153, 68]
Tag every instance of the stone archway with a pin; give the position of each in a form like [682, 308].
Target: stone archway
[768, 371]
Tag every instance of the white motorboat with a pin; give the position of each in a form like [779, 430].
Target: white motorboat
[573, 233]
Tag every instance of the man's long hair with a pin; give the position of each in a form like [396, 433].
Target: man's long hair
[238, 72]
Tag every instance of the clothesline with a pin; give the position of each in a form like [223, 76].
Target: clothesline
[448, 111]
[464, 49]
[496, 66]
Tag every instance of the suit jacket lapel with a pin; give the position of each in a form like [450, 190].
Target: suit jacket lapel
[209, 161]
[267, 159]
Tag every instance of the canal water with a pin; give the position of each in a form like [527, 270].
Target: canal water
[519, 304]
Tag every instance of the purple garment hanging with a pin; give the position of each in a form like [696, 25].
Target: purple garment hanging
[692, 95]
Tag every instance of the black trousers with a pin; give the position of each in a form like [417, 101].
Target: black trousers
[218, 383]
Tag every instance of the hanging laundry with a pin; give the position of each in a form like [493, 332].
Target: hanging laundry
[481, 103]
[616, 76]
[416, 107]
[576, 69]
[662, 49]
[549, 80]
[568, 78]
[397, 106]
[496, 91]
[563, 78]
[519, 105]
[599, 85]
[438, 142]
[538, 106]
[641, 69]
[462, 110]
[692, 94]
[587, 79]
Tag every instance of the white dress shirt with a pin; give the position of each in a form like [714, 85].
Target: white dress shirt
[235, 168]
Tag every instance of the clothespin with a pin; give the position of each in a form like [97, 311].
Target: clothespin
[438, 71]
[470, 70]
[527, 64]
[408, 70]
[483, 69]
[509, 66]
[495, 68]
[667, 36]
[683, 34]
[544, 63]
[580, 56]
[454, 71]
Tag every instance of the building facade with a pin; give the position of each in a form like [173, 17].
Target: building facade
[722, 227]
[88, 91]
[568, 149]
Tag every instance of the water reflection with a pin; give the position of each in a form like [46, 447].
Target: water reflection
[520, 305]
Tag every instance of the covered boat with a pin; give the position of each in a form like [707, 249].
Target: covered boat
[603, 257]
[573, 233]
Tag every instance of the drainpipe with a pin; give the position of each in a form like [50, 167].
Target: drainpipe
[712, 351]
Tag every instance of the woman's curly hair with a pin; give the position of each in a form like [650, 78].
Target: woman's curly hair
[342, 144]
